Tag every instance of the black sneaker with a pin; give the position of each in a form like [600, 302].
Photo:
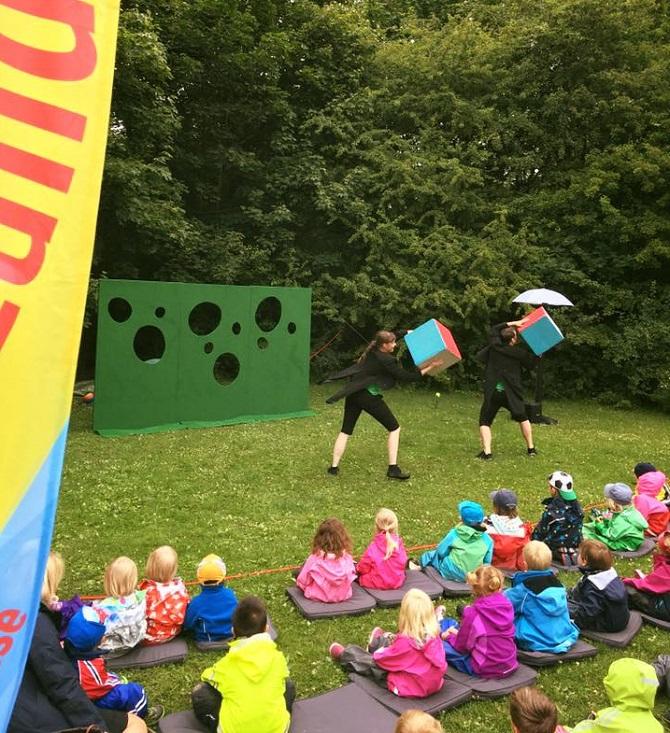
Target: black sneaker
[484, 456]
[154, 714]
[334, 470]
[397, 473]
[532, 452]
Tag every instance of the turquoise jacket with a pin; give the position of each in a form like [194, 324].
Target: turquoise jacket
[463, 550]
[631, 688]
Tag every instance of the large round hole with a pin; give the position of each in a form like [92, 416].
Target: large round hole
[236, 328]
[262, 343]
[119, 309]
[226, 369]
[204, 318]
[149, 344]
[291, 327]
[268, 313]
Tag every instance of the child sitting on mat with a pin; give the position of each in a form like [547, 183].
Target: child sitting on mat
[167, 597]
[410, 663]
[465, 547]
[210, 615]
[383, 562]
[106, 689]
[560, 526]
[329, 571]
[598, 601]
[649, 487]
[631, 688]
[541, 605]
[248, 689]
[416, 721]
[124, 608]
[482, 644]
[507, 530]
[650, 593]
[533, 712]
[623, 530]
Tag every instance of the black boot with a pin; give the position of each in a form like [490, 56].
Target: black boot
[396, 472]
[333, 470]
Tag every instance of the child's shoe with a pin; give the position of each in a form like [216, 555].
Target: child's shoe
[335, 650]
[374, 635]
[396, 472]
[413, 565]
[154, 714]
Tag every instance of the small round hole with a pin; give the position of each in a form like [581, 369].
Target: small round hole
[262, 343]
[237, 328]
[226, 369]
[209, 346]
[149, 344]
[291, 327]
[119, 309]
[160, 312]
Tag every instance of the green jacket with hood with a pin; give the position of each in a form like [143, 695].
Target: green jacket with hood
[252, 679]
[623, 532]
[631, 687]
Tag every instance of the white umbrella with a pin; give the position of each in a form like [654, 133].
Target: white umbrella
[542, 296]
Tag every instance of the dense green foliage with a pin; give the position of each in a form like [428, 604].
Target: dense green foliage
[406, 159]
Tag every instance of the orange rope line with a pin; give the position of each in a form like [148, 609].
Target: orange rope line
[265, 571]
[325, 346]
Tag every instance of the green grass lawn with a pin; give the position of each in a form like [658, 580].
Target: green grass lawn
[255, 493]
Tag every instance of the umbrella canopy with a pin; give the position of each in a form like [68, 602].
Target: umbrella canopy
[542, 296]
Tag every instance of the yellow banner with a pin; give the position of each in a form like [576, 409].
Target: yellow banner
[56, 68]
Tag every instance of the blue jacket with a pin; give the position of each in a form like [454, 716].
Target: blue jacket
[210, 615]
[541, 612]
[463, 550]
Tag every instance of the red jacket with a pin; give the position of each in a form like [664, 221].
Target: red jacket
[166, 608]
[508, 550]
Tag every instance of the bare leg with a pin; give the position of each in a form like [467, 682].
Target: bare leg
[339, 447]
[393, 443]
[135, 725]
[485, 437]
[527, 432]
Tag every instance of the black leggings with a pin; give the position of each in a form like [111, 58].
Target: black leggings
[374, 405]
[491, 406]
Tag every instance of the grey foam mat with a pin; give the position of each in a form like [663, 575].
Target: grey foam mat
[657, 622]
[489, 689]
[618, 639]
[208, 646]
[345, 710]
[171, 652]
[359, 603]
[644, 549]
[580, 650]
[184, 722]
[451, 695]
[413, 579]
[450, 588]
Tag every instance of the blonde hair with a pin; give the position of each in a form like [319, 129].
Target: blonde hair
[485, 580]
[614, 506]
[386, 521]
[537, 555]
[53, 574]
[416, 721]
[532, 712]
[161, 564]
[417, 617]
[120, 577]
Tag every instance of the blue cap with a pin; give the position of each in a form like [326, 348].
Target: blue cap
[471, 512]
[85, 630]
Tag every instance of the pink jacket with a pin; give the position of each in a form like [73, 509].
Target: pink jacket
[327, 578]
[647, 490]
[376, 572]
[658, 580]
[413, 670]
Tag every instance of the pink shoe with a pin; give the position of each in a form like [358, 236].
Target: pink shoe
[439, 613]
[335, 650]
[374, 635]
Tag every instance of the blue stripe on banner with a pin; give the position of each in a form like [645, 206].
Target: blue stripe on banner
[24, 547]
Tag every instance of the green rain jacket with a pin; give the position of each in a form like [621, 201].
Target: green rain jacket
[252, 680]
[631, 687]
[623, 532]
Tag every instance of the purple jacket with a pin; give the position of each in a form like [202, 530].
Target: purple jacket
[376, 572]
[486, 633]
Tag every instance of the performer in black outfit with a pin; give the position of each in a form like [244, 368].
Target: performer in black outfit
[502, 383]
[376, 370]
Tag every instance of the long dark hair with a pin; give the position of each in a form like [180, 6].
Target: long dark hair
[381, 337]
